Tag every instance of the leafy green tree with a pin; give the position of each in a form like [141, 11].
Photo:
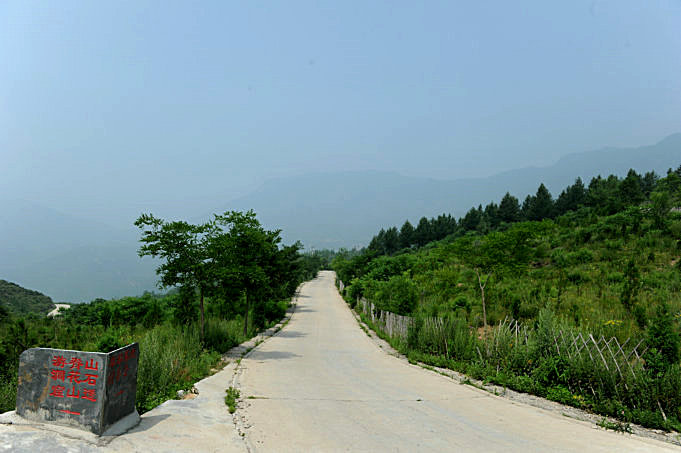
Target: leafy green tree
[497, 253]
[245, 254]
[183, 248]
[660, 204]
[663, 336]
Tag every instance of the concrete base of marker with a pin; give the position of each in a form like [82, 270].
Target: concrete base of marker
[122, 426]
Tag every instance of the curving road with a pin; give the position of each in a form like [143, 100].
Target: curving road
[322, 385]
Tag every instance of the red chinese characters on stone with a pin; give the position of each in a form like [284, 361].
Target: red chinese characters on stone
[118, 365]
[89, 378]
[58, 361]
[88, 394]
[73, 376]
[91, 364]
[73, 393]
[122, 357]
[57, 391]
[76, 363]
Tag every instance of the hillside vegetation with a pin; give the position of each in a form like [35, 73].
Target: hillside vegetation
[504, 292]
[211, 271]
[21, 301]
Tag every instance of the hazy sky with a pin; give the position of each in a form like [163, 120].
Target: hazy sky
[111, 108]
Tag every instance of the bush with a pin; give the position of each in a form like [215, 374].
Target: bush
[171, 358]
[222, 335]
[109, 342]
[8, 390]
[663, 337]
[398, 295]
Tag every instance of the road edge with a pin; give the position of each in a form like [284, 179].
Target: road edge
[576, 414]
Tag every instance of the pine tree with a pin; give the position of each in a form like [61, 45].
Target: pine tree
[542, 205]
[422, 233]
[509, 209]
[391, 241]
[472, 219]
[406, 235]
[631, 189]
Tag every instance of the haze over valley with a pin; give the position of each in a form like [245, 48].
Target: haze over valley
[79, 259]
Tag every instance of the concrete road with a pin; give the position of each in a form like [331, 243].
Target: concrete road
[322, 384]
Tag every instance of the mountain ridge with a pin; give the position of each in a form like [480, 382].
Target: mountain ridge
[374, 199]
[75, 260]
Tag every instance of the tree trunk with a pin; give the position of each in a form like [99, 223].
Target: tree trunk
[482, 293]
[246, 315]
[201, 309]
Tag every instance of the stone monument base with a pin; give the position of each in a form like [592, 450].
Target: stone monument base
[120, 427]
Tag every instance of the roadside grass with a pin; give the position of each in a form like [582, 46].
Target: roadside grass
[615, 426]
[231, 399]
[8, 391]
[535, 370]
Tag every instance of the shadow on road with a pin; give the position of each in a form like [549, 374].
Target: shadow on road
[291, 334]
[148, 422]
[272, 355]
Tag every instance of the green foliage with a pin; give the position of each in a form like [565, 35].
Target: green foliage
[21, 301]
[173, 354]
[398, 295]
[231, 399]
[608, 260]
[171, 359]
[108, 342]
[631, 285]
[615, 426]
[663, 337]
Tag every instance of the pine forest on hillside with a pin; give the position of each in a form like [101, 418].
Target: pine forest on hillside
[599, 261]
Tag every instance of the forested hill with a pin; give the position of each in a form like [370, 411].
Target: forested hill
[22, 301]
[344, 209]
[507, 292]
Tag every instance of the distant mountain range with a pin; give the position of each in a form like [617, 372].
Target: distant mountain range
[346, 209]
[76, 260]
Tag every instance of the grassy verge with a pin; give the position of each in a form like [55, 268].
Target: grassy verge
[576, 383]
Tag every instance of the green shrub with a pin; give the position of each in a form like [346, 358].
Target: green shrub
[171, 358]
[8, 390]
[109, 342]
[582, 256]
[222, 335]
[231, 399]
[663, 336]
